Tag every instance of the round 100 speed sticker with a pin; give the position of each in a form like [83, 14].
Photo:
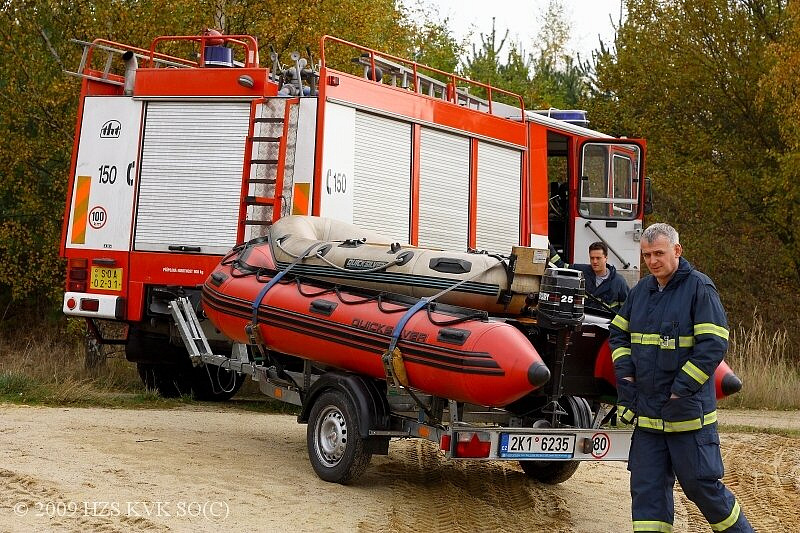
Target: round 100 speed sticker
[97, 217]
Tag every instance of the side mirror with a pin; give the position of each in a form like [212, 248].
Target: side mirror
[648, 196]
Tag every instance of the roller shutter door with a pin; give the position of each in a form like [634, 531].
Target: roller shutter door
[498, 199]
[382, 181]
[444, 190]
[191, 175]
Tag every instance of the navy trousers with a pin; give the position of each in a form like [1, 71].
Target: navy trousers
[656, 459]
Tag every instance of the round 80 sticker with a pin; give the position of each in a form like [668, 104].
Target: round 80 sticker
[601, 444]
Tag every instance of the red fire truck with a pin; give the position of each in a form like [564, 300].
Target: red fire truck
[177, 160]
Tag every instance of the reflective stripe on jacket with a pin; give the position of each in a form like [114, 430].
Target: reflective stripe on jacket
[670, 342]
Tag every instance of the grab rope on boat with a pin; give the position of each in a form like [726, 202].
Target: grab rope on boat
[394, 367]
[319, 255]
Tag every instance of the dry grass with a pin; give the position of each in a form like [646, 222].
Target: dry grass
[769, 371]
[45, 364]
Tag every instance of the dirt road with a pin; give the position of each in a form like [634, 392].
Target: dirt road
[190, 469]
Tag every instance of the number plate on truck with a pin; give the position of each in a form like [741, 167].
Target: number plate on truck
[537, 445]
[107, 279]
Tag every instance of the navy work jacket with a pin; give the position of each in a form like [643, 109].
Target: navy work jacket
[671, 342]
[613, 290]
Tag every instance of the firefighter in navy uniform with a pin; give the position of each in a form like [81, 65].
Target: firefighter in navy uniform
[602, 280]
[666, 341]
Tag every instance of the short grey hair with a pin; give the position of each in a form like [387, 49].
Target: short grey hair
[659, 229]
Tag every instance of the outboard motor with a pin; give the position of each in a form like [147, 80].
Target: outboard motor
[561, 296]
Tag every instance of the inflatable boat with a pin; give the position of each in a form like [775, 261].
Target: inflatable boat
[447, 351]
[345, 254]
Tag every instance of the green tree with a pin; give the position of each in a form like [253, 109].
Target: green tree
[549, 78]
[686, 75]
[38, 102]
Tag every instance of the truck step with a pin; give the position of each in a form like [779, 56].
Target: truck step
[267, 181]
[263, 161]
[265, 139]
[258, 222]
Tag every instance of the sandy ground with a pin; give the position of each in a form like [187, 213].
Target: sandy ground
[205, 469]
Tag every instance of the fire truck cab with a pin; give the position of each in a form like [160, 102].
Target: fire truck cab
[177, 160]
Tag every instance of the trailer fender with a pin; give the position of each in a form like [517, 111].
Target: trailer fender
[372, 409]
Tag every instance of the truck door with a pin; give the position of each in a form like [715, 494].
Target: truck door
[609, 204]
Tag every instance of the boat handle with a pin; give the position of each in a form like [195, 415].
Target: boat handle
[453, 335]
[323, 307]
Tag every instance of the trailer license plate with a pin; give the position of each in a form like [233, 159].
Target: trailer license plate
[107, 279]
[537, 446]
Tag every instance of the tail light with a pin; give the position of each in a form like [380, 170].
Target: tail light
[473, 444]
[90, 304]
[77, 274]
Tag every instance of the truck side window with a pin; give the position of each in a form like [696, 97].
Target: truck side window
[609, 187]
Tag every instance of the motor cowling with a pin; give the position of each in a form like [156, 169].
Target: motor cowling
[561, 298]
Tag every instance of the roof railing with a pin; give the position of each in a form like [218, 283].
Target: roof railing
[408, 74]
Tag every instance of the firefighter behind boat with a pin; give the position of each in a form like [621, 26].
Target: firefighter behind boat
[603, 284]
[602, 280]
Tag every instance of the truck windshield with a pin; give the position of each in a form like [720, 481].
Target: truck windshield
[609, 186]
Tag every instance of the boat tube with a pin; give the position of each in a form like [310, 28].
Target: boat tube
[447, 351]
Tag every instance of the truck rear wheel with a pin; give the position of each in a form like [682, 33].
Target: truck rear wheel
[579, 414]
[335, 448]
[167, 380]
[215, 384]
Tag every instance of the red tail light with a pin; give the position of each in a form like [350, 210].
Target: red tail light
[90, 304]
[77, 274]
[77, 286]
[473, 444]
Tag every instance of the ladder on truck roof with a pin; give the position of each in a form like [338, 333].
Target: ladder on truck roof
[114, 51]
[402, 76]
[408, 74]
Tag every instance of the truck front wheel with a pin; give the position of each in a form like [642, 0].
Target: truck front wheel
[335, 448]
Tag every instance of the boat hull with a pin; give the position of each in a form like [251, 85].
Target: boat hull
[473, 360]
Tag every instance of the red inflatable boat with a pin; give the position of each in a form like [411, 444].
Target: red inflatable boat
[450, 352]
[726, 382]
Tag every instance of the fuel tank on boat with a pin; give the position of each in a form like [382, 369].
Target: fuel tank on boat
[343, 253]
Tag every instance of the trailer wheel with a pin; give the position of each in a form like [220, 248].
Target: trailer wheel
[335, 448]
[579, 414]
